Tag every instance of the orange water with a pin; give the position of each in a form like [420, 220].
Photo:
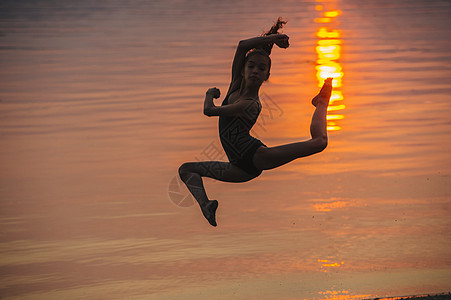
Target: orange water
[102, 101]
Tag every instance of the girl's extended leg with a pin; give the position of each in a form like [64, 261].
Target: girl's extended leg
[271, 157]
[191, 174]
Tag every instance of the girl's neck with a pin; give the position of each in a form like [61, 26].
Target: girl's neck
[250, 92]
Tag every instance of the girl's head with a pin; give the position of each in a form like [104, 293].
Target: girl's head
[259, 57]
[257, 65]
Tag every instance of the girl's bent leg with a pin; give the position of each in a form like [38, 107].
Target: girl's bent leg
[191, 174]
[219, 170]
[271, 157]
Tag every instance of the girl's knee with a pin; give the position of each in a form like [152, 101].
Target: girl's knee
[185, 169]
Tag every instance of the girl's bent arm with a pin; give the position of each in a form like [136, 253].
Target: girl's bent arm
[239, 108]
[244, 46]
[208, 104]
[212, 93]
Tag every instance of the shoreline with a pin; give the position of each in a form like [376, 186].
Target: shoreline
[440, 296]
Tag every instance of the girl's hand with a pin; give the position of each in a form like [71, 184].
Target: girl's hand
[281, 40]
[214, 92]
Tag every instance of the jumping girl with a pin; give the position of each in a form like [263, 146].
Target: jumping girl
[239, 111]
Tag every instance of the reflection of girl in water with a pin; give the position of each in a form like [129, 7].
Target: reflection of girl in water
[239, 111]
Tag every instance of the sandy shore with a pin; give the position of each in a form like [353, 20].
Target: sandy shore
[419, 297]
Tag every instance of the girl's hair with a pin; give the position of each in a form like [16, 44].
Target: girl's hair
[266, 50]
[273, 30]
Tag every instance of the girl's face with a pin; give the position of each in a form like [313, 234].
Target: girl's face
[256, 70]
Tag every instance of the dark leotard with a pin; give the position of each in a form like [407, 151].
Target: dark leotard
[238, 144]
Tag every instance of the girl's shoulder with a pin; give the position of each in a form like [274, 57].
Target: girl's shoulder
[252, 104]
[233, 96]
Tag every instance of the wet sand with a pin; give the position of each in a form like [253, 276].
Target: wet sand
[444, 296]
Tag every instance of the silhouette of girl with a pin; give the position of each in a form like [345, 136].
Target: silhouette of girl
[239, 111]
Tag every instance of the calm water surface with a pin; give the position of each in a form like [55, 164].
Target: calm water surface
[100, 102]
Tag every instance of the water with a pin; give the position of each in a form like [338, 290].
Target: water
[102, 101]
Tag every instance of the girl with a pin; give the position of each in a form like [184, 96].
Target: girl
[239, 111]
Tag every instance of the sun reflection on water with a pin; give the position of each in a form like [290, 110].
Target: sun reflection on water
[328, 50]
[339, 295]
[325, 263]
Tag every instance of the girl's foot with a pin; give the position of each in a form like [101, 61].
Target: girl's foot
[324, 94]
[209, 211]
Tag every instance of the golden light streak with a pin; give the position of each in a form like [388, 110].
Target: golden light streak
[335, 49]
[332, 265]
[336, 82]
[336, 96]
[328, 50]
[332, 13]
[341, 295]
[331, 67]
[326, 74]
[336, 107]
[325, 33]
[323, 20]
[334, 292]
[329, 42]
[328, 53]
[327, 263]
[333, 128]
[335, 117]
[338, 204]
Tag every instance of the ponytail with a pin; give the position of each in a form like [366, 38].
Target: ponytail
[273, 30]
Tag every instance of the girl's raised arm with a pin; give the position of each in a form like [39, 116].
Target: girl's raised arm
[244, 46]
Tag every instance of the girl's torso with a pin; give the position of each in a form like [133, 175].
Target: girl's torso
[234, 131]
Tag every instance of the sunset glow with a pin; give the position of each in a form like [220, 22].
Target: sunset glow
[328, 50]
[101, 103]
